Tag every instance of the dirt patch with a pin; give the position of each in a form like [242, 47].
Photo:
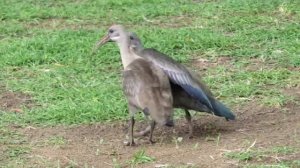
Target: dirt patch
[203, 64]
[59, 24]
[252, 64]
[14, 101]
[171, 22]
[101, 145]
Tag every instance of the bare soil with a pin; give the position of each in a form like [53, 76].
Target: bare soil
[58, 24]
[14, 101]
[252, 64]
[101, 145]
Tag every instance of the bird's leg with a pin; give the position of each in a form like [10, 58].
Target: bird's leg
[143, 133]
[131, 125]
[132, 111]
[152, 126]
[147, 130]
[189, 122]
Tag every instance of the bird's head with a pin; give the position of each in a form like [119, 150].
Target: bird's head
[116, 33]
[135, 43]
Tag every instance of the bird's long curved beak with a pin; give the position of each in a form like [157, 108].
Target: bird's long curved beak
[100, 43]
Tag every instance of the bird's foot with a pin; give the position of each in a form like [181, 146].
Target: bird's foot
[127, 143]
[140, 134]
[151, 141]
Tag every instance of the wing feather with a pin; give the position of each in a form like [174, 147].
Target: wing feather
[179, 75]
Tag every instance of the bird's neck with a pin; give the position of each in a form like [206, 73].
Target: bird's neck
[127, 55]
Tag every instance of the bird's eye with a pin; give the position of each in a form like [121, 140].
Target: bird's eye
[111, 31]
[131, 38]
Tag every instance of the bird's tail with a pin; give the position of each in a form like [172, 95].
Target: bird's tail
[222, 111]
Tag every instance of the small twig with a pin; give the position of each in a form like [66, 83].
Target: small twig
[251, 145]
[71, 161]
[111, 154]
[147, 20]
[226, 150]
[268, 112]
[276, 158]
[30, 127]
[108, 164]
[233, 163]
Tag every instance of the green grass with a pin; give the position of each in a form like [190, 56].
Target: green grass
[273, 157]
[284, 164]
[46, 46]
[56, 141]
[140, 158]
[13, 147]
[45, 51]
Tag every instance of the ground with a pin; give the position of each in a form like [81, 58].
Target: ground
[259, 135]
[62, 106]
[256, 129]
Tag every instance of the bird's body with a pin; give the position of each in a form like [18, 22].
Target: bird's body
[186, 82]
[146, 87]
[189, 92]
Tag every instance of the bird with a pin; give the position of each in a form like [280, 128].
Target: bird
[146, 87]
[189, 92]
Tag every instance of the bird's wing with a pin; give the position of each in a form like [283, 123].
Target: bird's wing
[144, 76]
[130, 87]
[164, 85]
[179, 75]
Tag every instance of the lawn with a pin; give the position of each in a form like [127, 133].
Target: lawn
[247, 51]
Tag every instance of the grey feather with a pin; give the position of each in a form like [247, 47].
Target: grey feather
[189, 92]
[145, 85]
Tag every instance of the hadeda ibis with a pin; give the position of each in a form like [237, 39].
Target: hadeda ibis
[189, 92]
[145, 85]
